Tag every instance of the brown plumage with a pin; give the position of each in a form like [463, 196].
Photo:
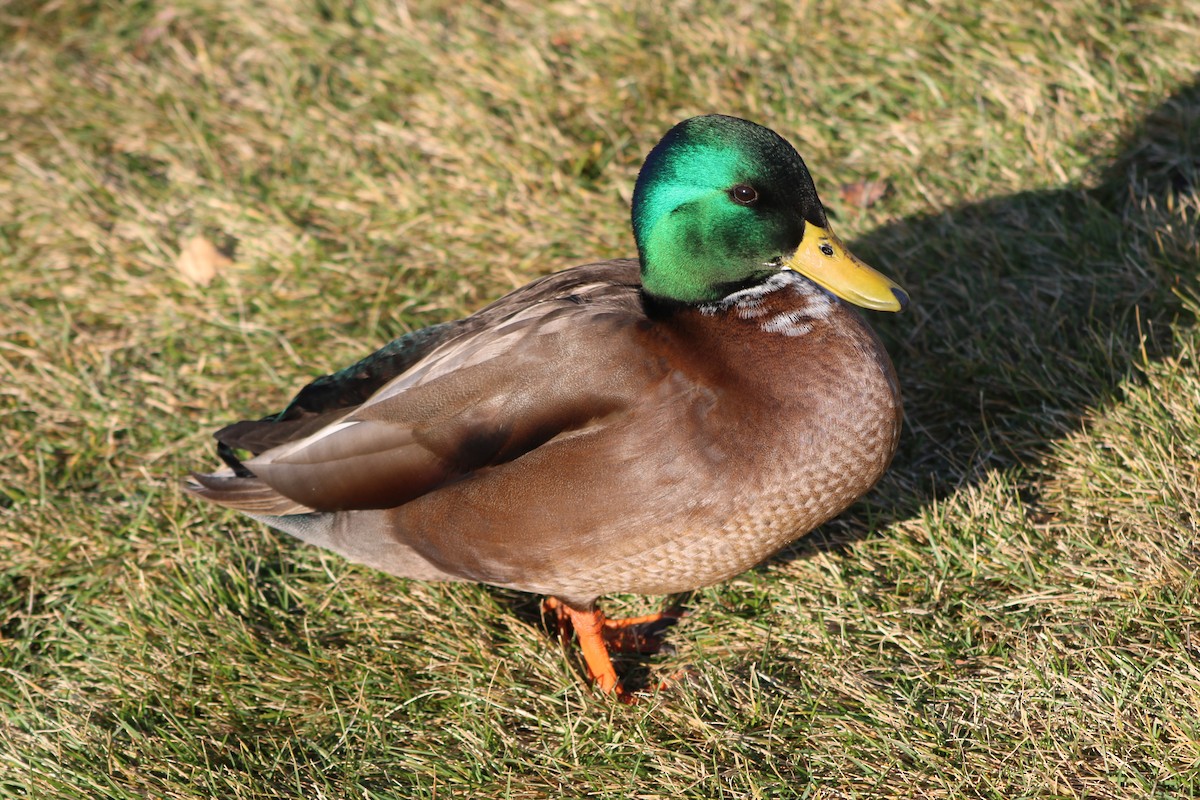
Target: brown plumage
[581, 436]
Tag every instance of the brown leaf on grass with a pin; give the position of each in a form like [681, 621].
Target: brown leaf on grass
[200, 261]
[566, 39]
[863, 194]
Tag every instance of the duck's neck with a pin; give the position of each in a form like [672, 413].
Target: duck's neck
[786, 303]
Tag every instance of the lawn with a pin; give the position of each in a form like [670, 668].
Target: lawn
[1014, 611]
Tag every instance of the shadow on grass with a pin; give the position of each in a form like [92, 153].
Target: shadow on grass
[1028, 311]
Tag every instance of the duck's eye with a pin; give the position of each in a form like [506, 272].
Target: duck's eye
[743, 194]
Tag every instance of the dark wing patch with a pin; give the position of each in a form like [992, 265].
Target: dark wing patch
[349, 387]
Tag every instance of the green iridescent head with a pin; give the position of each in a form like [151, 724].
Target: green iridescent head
[722, 202]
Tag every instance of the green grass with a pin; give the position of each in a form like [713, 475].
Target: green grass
[1013, 613]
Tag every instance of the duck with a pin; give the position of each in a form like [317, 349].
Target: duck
[647, 425]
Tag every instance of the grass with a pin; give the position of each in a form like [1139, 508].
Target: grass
[1014, 612]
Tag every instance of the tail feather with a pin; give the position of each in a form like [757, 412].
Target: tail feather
[249, 494]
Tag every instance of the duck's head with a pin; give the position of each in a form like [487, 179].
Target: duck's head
[722, 203]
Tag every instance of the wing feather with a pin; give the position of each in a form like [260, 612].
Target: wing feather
[549, 359]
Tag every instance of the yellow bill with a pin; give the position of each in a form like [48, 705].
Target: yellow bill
[823, 258]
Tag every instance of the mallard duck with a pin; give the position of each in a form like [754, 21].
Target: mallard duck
[646, 426]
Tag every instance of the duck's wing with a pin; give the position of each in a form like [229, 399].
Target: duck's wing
[549, 359]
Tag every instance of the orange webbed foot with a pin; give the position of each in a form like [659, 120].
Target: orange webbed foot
[598, 636]
[640, 635]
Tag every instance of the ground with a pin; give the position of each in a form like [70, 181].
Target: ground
[204, 204]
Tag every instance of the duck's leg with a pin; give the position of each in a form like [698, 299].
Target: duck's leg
[599, 635]
[590, 630]
[562, 622]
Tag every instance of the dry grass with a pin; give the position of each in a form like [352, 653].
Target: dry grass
[1013, 613]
